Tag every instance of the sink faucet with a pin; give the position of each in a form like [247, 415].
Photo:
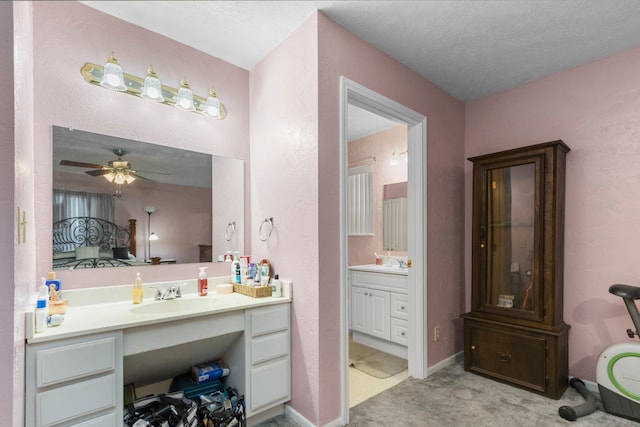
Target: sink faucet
[170, 293]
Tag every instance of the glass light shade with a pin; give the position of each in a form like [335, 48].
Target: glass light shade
[153, 236]
[152, 89]
[212, 107]
[129, 178]
[109, 177]
[120, 178]
[184, 100]
[112, 76]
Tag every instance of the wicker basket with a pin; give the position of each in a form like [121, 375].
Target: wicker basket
[250, 291]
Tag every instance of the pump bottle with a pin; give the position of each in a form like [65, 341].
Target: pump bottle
[41, 313]
[203, 286]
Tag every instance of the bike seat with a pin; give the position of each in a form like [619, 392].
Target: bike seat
[625, 291]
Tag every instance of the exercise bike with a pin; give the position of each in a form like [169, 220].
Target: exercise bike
[617, 371]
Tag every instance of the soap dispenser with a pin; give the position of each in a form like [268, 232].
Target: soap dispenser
[138, 293]
[203, 285]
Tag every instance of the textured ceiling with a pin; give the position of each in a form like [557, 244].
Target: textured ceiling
[470, 49]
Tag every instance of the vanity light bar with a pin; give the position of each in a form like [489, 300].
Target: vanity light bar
[92, 74]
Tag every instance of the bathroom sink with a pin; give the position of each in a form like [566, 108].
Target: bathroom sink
[394, 269]
[177, 305]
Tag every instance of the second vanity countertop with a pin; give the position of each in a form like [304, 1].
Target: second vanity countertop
[95, 310]
[374, 268]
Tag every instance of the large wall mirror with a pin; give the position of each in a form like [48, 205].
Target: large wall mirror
[119, 202]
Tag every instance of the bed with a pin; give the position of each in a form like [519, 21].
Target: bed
[87, 242]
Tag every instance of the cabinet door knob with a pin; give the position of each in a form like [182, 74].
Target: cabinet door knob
[504, 357]
[473, 347]
[402, 333]
[402, 307]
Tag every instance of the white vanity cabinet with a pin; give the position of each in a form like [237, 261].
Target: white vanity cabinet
[75, 382]
[379, 309]
[268, 341]
[75, 372]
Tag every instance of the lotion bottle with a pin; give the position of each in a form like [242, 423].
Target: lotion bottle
[42, 308]
[138, 292]
[235, 268]
[203, 286]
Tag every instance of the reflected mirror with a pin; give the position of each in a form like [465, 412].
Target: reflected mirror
[120, 202]
[394, 216]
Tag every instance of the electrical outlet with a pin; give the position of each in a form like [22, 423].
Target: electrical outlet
[436, 333]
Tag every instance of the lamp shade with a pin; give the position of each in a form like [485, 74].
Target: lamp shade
[112, 76]
[152, 89]
[184, 100]
[212, 107]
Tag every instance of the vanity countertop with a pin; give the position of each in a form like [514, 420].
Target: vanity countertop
[110, 308]
[374, 268]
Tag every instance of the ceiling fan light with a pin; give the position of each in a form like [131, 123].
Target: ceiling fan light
[212, 107]
[184, 100]
[112, 76]
[109, 177]
[129, 178]
[119, 178]
[152, 89]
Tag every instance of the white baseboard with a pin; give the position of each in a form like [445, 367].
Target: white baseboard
[295, 416]
[451, 360]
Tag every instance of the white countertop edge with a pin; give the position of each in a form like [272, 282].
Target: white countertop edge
[374, 268]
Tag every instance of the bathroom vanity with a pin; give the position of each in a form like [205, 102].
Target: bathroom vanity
[75, 372]
[379, 307]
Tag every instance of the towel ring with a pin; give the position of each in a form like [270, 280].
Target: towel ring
[229, 231]
[260, 235]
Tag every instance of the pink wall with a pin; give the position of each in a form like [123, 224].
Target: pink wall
[284, 182]
[68, 34]
[295, 179]
[343, 54]
[595, 110]
[381, 146]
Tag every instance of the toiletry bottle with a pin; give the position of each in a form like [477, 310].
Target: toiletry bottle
[235, 264]
[41, 313]
[276, 287]
[264, 274]
[238, 274]
[203, 285]
[138, 293]
[51, 280]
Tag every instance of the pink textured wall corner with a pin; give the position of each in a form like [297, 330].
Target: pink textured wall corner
[595, 110]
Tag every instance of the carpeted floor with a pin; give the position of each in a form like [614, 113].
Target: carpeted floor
[452, 397]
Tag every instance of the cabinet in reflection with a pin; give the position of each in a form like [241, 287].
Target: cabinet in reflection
[515, 330]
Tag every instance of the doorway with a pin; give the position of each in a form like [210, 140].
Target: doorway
[355, 95]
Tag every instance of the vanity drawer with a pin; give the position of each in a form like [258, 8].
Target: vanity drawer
[269, 347]
[509, 355]
[108, 420]
[270, 384]
[399, 306]
[400, 331]
[73, 361]
[269, 319]
[72, 401]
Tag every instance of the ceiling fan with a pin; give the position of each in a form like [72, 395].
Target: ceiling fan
[117, 171]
